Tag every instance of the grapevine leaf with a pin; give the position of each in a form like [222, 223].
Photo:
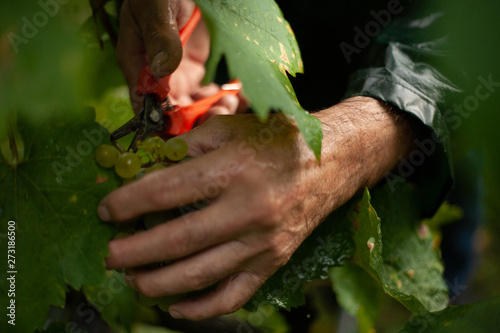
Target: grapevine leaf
[326, 247]
[52, 195]
[260, 49]
[114, 300]
[358, 294]
[480, 317]
[398, 251]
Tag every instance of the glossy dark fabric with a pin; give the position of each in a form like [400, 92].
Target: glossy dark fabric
[398, 64]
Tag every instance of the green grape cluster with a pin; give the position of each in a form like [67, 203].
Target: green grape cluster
[152, 154]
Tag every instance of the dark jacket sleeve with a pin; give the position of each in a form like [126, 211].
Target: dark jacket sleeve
[402, 69]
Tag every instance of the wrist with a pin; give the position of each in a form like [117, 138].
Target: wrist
[364, 138]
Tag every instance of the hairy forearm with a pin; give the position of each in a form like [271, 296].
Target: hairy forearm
[363, 139]
[375, 134]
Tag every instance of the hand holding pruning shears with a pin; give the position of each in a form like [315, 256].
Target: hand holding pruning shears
[168, 103]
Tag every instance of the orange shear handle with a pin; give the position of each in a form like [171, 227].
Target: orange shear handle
[182, 118]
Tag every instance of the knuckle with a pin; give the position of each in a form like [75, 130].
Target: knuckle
[178, 242]
[160, 189]
[147, 287]
[230, 307]
[196, 277]
[267, 216]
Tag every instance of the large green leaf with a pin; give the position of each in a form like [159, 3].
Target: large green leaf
[52, 195]
[115, 301]
[397, 250]
[260, 49]
[481, 317]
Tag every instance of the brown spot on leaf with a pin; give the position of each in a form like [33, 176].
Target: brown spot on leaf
[436, 242]
[411, 273]
[284, 69]
[355, 223]
[301, 65]
[100, 180]
[284, 56]
[423, 231]
[370, 244]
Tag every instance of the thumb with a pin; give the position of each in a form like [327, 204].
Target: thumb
[158, 23]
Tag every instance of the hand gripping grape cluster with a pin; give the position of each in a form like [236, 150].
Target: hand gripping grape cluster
[158, 115]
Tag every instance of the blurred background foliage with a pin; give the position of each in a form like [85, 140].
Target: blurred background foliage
[58, 63]
[473, 29]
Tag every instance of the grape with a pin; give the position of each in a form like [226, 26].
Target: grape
[154, 167]
[152, 144]
[175, 149]
[106, 155]
[162, 302]
[165, 301]
[128, 165]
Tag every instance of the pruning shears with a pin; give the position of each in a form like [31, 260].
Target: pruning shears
[158, 114]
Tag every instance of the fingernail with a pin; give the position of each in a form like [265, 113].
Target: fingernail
[175, 314]
[103, 213]
[159, 64]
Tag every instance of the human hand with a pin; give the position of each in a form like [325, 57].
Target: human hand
[149, 33]
[266, 193]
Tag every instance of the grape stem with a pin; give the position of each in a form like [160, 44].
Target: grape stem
[118, 146]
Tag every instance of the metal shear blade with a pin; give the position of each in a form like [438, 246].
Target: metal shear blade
[149, 120]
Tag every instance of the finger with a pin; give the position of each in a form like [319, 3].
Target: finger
[171, 187]
[229, 296]
[206, 91]
[186, 79]
[159, 22]
[225, 106]
[178, 238]
[194, 273]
